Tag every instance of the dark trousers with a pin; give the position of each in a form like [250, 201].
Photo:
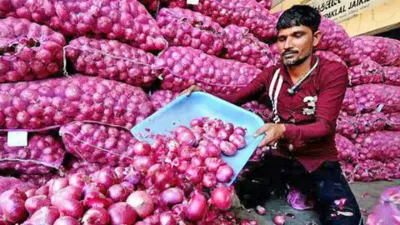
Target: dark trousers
[325, 185]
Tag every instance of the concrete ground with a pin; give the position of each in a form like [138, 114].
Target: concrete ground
[366, 194]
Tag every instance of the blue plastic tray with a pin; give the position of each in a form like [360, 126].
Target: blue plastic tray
[184, 109]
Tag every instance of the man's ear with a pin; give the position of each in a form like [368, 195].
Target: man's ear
[316, 38]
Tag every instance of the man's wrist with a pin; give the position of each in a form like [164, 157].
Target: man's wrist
[283, 130]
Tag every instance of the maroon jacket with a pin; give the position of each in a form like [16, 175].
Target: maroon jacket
[310, 127]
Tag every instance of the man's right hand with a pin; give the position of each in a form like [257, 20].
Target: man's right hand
[191, 89]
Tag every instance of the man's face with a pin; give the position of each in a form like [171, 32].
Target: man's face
[296, 43]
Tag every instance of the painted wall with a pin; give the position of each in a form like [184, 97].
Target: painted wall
[383, 17]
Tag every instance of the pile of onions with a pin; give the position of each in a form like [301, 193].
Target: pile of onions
[183, 27]
[393, 122]
[384, 51]
[29, 51]
[185, 66]
[380, 145]
[101, 143]
[245, 13]
[346, 149]
[266, 3]
[44, 103]
[370, 96]
[335, 39]
[242, 46]
[78, 165]
[42, 154]
[172, 185]
[7, 183]
[259, 153]
[392, 75]
[349, 103]
[111, 59]
[330, 56]
[161, 98]
[126, 21]
[351, 126]
[260, 109]
[366, 72]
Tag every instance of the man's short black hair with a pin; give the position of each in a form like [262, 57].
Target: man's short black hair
[299, 15]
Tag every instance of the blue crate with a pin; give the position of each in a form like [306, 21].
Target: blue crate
[199, 104]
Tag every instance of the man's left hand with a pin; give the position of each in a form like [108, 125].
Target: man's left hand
[273, 132]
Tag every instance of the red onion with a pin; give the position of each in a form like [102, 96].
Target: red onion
[57, 184]
[12, 206]
[97, 199]
[66, 220]
[223, 135]
[224, 173]
[142, 148]
[221, 197]
[196, 162]
[141, 202]
[239, 130]
[197, 207]
[68, 192]
[166, 218]
[78, 180]
[122, 213]
[213, 163]
[34, 203]
[142, 163]
[209, 180]
[106, 177]
[238, 141]
[172, 196]
[46, 215]
[118, 193]
[97, 216]
[279, 220]
[228, 148]
[70, 207]
[186, 137]
[164, 179]
[93, 187]
[196, 123]
[261, 210]
[194, 175]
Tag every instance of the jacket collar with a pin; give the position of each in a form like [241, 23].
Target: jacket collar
[285, 75]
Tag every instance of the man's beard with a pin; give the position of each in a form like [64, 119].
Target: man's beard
[296, 62]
